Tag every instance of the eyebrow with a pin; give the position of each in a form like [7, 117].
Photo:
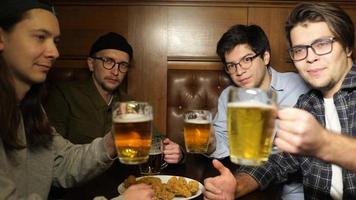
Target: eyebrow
[47, 33]
[248, 54]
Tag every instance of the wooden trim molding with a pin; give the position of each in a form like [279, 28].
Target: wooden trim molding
[194, 63]
[233, 3]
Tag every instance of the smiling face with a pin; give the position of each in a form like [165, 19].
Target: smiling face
[325, 72]
[255, 76]
[108, 80]
[29, 49]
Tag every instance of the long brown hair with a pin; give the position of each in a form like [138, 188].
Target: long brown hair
[37, 128]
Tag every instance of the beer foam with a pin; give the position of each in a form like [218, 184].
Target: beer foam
[249, 104]
[131, 117]
[197, 121]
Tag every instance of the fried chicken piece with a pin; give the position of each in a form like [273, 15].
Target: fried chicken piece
[163, 193]
[179, 187]
[154, 181]
[193, 186]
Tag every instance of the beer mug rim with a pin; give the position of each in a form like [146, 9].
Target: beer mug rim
[270, 96]
[147, 111]
[136, 102]
[204, 112]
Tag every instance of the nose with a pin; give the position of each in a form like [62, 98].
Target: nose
[239, 70]
[311, 56]
[52, 51]
[115, 70]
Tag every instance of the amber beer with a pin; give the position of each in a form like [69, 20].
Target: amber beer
[197, 132]
[250, 129]
[132, 133]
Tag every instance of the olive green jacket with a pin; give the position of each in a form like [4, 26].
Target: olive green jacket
[78, 112]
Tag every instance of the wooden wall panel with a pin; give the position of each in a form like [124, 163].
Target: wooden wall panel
[272, 22]
[147, 79]
[194, 31]
[81, 25]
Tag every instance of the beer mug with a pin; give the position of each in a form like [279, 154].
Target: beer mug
[197, 124]
[156, 160]
[251, 114]
[132, 130]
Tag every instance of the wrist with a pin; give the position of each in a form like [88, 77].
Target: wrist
[323, 151]
[109, 146]
[211, 145]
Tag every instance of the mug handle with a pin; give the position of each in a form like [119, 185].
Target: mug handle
[164, 165]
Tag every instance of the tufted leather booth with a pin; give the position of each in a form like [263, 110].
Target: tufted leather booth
[189, 89]
[67, 74]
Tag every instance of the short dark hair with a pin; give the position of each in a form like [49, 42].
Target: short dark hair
[338, 21]
[251, 35]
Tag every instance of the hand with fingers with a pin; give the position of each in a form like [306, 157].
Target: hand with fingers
[139, 191]
[299, 132]
[172, 151]
[221, 187]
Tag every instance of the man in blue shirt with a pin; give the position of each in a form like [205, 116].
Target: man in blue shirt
[246, 54]
[322, 126]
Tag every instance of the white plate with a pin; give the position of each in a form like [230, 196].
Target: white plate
[164, 179]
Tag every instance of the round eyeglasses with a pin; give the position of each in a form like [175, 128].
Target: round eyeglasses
[320, 47]
[244, 63]
[109, 63]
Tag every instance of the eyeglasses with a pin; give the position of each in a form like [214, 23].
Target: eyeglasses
[109, 63]
[320, 47]
[244, 63]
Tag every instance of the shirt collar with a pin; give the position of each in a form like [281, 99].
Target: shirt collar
[275, 85]
[350, 79]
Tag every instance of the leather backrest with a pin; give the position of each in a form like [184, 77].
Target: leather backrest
[67, 74]
[189, 89]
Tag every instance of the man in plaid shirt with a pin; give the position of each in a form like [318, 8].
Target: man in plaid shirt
[321, 40]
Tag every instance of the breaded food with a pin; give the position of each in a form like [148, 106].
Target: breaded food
[149, 180]
[193, 186]
[175, 187]
[179, 187]
[163, 193]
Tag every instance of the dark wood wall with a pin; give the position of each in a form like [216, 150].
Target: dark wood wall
[169, 34]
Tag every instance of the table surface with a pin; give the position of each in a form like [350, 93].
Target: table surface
[196, 167]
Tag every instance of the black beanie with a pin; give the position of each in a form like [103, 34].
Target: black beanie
[10, 8]
[111, 41]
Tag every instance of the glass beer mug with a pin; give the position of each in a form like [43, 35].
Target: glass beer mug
[132, 130]
[156, 158]
[251, 121]
[197, 124]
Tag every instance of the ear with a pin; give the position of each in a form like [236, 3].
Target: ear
[266, 57]
[90, 64]
[2, 39]
[348, 52]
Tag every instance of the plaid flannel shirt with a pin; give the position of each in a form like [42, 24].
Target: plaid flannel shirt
[316, 173]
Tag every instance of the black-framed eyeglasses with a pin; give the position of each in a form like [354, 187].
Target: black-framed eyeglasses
[244, 63]
[320, 47]
[109, 63]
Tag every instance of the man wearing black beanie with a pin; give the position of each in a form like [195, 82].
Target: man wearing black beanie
[81, 110]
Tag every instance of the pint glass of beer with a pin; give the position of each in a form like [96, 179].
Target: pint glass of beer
[132, 129]
[156, 158]
[251, 114]
[197, 125]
